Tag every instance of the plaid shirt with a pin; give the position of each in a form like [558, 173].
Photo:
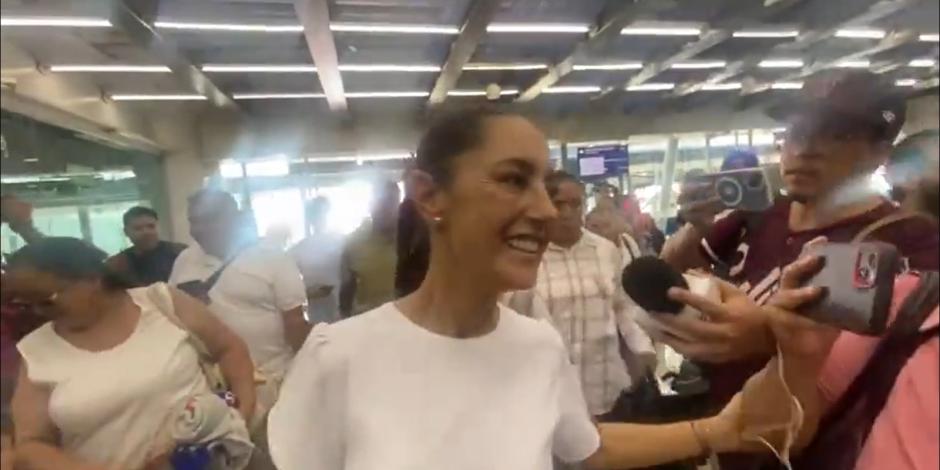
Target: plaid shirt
[578, 291]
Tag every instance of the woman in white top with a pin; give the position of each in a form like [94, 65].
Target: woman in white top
[99, 380]
[445, 378]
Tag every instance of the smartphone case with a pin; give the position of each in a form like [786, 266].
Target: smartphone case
[858, 283]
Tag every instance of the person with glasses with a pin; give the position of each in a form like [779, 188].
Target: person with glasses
[840, 131]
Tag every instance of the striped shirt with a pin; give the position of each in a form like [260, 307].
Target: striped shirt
[580, 289]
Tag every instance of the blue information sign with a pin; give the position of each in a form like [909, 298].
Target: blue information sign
[603, 161]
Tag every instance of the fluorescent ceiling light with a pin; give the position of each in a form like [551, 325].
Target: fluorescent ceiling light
[927, 63]
[388, 68]
[861, 33]
[169, 97]
[652, 87]
[305, 68]
[786, 85]
[277, 96]
[906, 82]
[393, 28]
[507, 92]
[493, 66]
[930, 37]
[698, 65]
[620, 66]
[31, 160]
[360, 158]
[110, 68]
[556, 90]
[239, 27]
[766, 34]
[653, 31]
[387, 94]
[780, 64]
[537, 28]
[854, 64]
[721, 86]
[259, 68]
[55, 21]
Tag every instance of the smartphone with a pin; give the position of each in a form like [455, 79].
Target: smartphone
[858, 282]
[750, 189]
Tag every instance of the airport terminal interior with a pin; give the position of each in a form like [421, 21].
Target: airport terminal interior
[311, 116]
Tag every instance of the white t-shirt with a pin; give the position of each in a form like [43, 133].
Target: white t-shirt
[318, 257]
[377, 391]
[250, 298]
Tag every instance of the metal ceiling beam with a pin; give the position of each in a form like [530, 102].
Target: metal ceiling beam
[709, 39]
[314, 15]
[135, 20]
[479, 16]
[892, 41]
[604, 33]
[803, 42]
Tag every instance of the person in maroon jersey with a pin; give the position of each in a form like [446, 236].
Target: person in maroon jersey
[838, 134]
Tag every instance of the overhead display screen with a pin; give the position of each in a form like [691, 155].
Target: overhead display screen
[603, 160]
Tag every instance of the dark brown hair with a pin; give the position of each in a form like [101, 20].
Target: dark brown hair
[556, 178]
[450, 135]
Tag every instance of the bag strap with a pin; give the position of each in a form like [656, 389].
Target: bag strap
[212, 279]
[882, 223]
[847, 426]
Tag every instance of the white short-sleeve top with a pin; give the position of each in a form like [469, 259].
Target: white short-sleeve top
[377, 391]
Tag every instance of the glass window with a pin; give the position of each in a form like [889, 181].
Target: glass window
[107, 225]
[279, 211]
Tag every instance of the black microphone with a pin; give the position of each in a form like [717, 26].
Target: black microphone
[648, 279]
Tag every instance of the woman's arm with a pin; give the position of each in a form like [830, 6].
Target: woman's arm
[625, 445]
[229, 351]
[35, 437]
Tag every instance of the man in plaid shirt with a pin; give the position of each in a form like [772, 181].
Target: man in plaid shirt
[578, 284]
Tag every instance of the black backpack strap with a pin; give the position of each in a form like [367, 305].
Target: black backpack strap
[212, 279]
[843, 432]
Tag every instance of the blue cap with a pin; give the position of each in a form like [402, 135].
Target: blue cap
[739, 159]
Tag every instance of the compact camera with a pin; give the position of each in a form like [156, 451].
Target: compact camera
[750, 189]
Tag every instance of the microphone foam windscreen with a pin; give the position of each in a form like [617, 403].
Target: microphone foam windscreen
[648, 279]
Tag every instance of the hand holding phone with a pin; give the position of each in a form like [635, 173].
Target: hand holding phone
[857, 280]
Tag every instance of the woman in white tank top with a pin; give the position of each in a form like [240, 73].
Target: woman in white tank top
[100, 380]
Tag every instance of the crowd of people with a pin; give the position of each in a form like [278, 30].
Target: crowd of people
[478, 320]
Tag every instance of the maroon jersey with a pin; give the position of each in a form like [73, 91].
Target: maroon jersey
[755, 248]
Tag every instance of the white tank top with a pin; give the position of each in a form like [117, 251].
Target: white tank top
[109, 406]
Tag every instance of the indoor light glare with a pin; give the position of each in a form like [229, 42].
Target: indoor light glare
[861, 33]
[766, 34]
[109, 68]
[170, 97]
[55, 21]
[698, 65]
[653, 31]
[390, 28]
[277, 96]
[231, 27]
[616, 66]
[721, 86]
[572, 89]
[652, 87]
[259, 68]
[509, 66]
[537, 28]
[780, 64]
[925, 63]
